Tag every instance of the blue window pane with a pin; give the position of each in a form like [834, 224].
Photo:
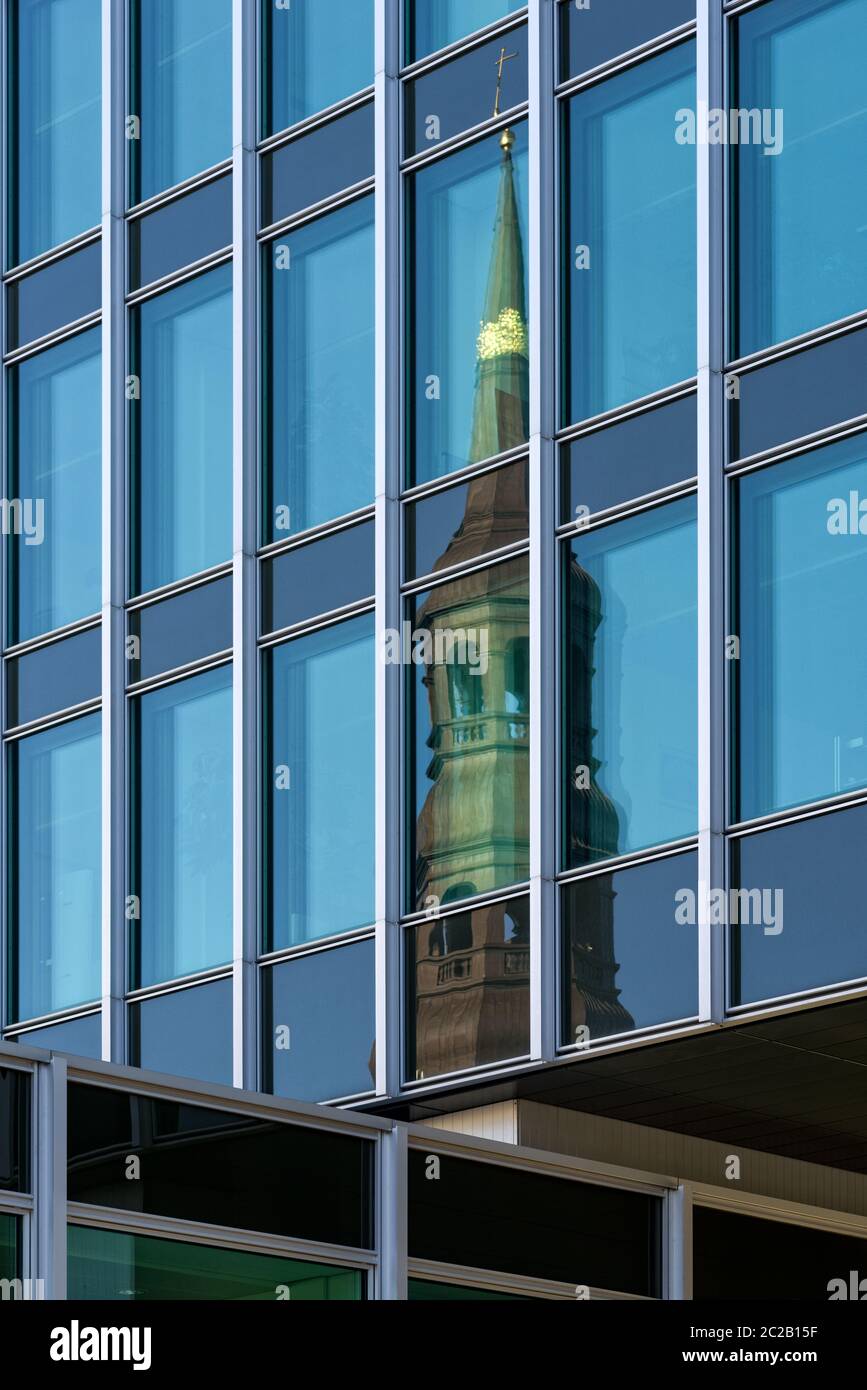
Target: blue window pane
[321, 51]
[319, 577]
[327, 1002]
[635, 456]
[803, 63]
[184, 231]
[627, 961]
[181, 85]
[182, 828]
[801, 678]
[55, 144]
[187, 627]
[317, 164]
[457, 524]
[321, 774]
[629, 270]
[630, 775]
[488, 80]
[432, 24]
[182, 431]
[185, 1033]
[82, 1037]
[319, 389]
[53, 678]
[61, 293]
[56, 457]
[468, 384]
[592, 33]
[55, 852]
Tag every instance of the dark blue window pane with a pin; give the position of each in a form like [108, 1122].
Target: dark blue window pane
[798, 394]
[629, 254]
[310, 67]
[181, 86]
[192, 625]
[740, 1257]
[318, 164]
[627, 961]
[801, 678]
[181, 431]
[10, 1242]
[630, 655]
[465, 92]
[433, 24]
[55, 110]
[186, 1033]
[61, 293]
[319, 577]
[14, 1130]
[56, 857]
[321, 774]
[802, 62]
[320, 1024]
[55, 570]
[82, 1037]
[319, 387]
[54, 678]
[598, 31]
[182, 829]
[184, 231]
[460, 523]
[630, 459]
[808, 929]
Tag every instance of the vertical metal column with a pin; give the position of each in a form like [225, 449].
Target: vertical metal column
[5, 203]
[678, 1273]
[392, 1208]
[245, 469]
[50, 1184]
[389, 379]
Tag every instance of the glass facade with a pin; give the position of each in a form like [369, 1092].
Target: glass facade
[305, 69]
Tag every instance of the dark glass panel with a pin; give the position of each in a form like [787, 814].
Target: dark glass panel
[10, 1259]
[184, 231]
[202, 1164]
[737, 1256]
[318, 577]
[317, 164]
[50, 298]
[191, 625]
[572, 1232]
[461, 523]
[796, 395]
[14, 1130]
[54, 678]
[142, 1269]
[650, 451]
[426, 1290]
[592, 31]
[804, 922]
[626, 961]
[469, 727]
[316, 54]
[185, 1033]
[434, 24]
[82, 1037]
[486, 81]
[468, 989]
[319, 1024]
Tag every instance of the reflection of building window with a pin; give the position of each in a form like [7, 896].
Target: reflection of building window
[518, 676]
[466, 691]
[453, 933]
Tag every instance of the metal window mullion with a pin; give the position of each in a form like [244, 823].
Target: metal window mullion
[388, 350]
[245, 468]
[710, 181]
[678, 1251]
[6, 916]
[48, 1229]
[392, 1208]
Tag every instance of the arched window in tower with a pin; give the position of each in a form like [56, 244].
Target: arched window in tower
[518, 676]
[466, 690]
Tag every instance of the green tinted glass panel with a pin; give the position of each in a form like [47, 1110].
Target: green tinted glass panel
[8, 1247]
[425, 1290]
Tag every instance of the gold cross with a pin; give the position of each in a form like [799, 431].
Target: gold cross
[501, 62]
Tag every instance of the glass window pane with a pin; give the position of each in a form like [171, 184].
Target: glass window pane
[426, 1290]
[802, 925]
[56, 891]
[432, 24]
[317, 164]
[627, 962]
[457, 524]
[320, 821]
[591, 34]
[480, 84]
[181, 435]
[10, 1266]
[61, 293]
[319, 577]
[805, 60]
[468, 989]
[14, 1130]
[629, 281]
[469, 723]
[82, 1037]
[54, 678]
[310, 68]
[185, 1033]
[184, 231]
[112, 1265]
[468, 333]
[55, 135]
[193, 624]
[630, 459]
[56, 458]
[630, 656]
[802, 570]
[181, 867]
[181, 84]
[319, 1024]
[739, 1257]
[319, 386]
